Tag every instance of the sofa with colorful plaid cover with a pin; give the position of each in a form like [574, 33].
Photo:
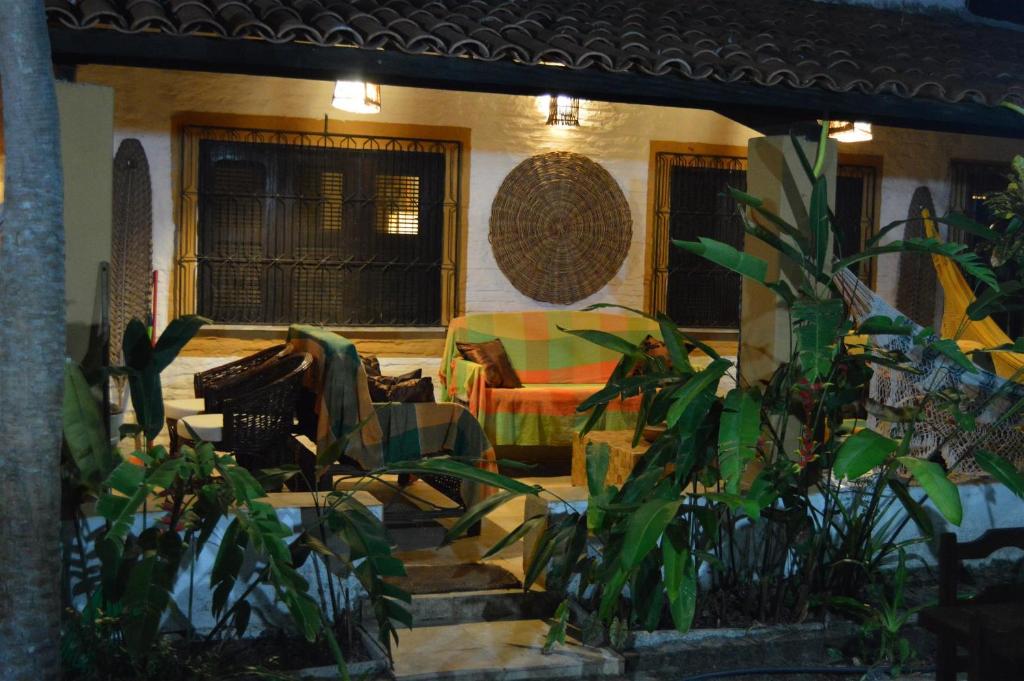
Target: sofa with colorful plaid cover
[558, 371]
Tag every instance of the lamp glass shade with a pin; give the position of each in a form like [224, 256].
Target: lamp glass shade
[563, 110]
[847, 132]
[356, 96]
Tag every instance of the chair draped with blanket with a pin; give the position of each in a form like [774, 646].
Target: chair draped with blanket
[337, 406]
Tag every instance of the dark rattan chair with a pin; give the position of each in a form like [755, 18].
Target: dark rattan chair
[258, 411]
[226, 372]
[203, 381]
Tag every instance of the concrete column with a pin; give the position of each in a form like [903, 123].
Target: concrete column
[87, 154]
[775, 175]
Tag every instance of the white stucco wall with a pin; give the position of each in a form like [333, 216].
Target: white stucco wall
[505, 130]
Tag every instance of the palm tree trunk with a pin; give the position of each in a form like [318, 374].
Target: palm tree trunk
[32, 347]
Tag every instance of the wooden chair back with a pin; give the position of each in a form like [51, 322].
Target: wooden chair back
[951, 552]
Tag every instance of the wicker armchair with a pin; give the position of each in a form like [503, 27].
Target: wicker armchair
[204, 381]
[226, 372]
[257, 412]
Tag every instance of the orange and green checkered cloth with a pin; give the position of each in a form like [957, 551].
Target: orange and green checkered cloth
[558, 372]
[392, 432]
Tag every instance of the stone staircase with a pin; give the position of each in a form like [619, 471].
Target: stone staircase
[491, 636]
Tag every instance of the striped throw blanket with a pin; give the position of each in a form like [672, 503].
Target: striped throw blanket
[391, 432]
[558, 372]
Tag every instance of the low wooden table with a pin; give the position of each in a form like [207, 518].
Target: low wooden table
[620, 464]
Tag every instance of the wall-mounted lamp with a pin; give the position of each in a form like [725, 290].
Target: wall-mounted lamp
[356, 96]
[846, 131]
[563, 110]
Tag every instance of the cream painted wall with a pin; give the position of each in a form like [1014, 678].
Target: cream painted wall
[505, 131]
[86, 131]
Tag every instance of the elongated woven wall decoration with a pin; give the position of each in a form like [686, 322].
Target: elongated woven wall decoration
[560, 227]
[918, 284]
[131, 251]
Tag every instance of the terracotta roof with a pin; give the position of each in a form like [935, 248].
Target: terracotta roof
[797, 43]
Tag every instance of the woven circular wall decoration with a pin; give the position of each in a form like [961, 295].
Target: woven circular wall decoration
[560, 227]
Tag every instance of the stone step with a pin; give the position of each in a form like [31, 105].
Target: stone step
[496, 651]
[429, 610]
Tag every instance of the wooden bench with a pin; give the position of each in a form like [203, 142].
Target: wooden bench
[990, 626]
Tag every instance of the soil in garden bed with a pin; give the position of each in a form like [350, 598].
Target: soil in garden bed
[280, 653]
[255, 659]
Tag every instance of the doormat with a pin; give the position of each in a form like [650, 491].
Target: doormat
[434, 579]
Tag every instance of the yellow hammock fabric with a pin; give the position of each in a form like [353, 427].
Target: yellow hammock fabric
[984, 333]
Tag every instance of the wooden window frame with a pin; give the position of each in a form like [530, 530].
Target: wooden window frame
[656, 261]
[185, 176]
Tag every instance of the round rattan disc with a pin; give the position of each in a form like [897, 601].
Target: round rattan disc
[560, 227]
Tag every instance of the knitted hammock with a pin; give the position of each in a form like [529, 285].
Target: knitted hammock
[988, 397]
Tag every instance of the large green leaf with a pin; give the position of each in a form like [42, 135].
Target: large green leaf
[644, 528]
[941, 491]
[949, 348]
[476, 514]
[1002, 470]
[913, 507]
[1009, 298]
[145, 599]
[598, 454]
[136, 345]
[728, 257]
[441, 465]
[738, 432]
[817, 332]
[674, 342]
[791, 231]
[818, 221]
[680, 577]
[147, 399]
[861, 452]
[179, 332]
[969, 261]
[515, 535]
[226, 565]
[83, 427]
[880, 325]
[605, 340]
[776, 242]
[706, 380]
[966, 224]
[611, 593]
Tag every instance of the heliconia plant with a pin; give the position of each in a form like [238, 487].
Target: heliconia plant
[779, 490]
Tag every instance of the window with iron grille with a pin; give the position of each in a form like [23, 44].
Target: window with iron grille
[972, 184]
[856, 196]
[690, 201]
[335, 230]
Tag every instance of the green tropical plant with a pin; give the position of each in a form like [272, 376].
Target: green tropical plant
[884, 616]
[780, 489]
[144, 361]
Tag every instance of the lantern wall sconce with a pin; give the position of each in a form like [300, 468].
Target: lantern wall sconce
[847, 131]
[356, 96]
[563, 110]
